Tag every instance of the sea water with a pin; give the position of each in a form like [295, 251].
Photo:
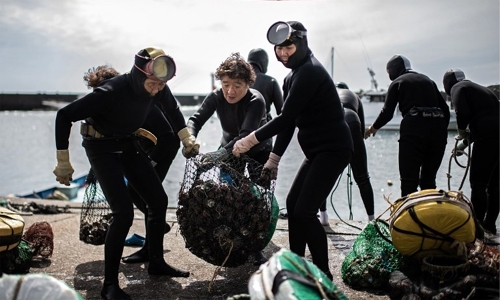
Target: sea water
[28, 157]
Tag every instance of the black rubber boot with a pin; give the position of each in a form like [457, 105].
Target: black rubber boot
[329, 275]
[159, 267]
[137, 257]
[490, 227]
[112, 291]
[142, 255]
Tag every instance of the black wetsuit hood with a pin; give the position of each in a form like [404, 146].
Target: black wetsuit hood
[259, 59]
[136, 77]
[302, 52]
[349, 99]
[450, 78]
[397, 66]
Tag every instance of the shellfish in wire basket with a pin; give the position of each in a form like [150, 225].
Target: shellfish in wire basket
[225, 209]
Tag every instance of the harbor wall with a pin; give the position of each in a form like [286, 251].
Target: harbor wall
[41, 101]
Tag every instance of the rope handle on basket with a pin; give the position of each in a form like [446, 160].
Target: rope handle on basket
[217, 270]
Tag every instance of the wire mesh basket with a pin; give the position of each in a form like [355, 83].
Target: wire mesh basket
[226, 210]
[95, 216]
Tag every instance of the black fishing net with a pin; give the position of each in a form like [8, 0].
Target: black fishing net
[226, 210]
[450, 277]
[372, 258]
[17, 260]
[96, 215]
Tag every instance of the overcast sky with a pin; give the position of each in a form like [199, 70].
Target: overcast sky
[46, 46]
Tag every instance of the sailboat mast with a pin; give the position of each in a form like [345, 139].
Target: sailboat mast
[331, 60]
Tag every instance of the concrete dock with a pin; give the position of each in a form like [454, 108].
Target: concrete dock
[81, 265]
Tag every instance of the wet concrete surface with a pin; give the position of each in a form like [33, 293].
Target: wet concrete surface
[81, 265]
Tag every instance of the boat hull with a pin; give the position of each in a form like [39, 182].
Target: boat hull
[70, 191]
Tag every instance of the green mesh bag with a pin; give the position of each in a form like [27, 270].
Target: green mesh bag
[17, 260]
[275, 211]
[372, 258]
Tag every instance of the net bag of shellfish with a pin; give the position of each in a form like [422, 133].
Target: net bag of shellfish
[372, 258]
[226, 210]
[95, 216]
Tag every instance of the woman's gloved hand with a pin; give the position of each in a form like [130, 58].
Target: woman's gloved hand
[459, 149]
[63, 170]
[463, 135]
[191, 147]
[244, 144]
[272, 165]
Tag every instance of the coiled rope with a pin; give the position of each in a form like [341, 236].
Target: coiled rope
[453, 157]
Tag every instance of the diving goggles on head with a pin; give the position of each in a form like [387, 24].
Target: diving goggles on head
[161, 67]
[281, 31]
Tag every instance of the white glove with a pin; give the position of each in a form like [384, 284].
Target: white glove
[191, 146]
[63, 170]
[370, 131]
[272, 164]
[244, 144]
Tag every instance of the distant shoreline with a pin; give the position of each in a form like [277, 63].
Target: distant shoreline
[42, 101]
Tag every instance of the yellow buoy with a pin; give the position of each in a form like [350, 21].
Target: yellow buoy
[432, 222]
[11, 229]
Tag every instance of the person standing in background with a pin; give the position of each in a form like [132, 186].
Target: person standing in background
[355, 119]
[424, 128]
[477, 109]
[113, 112]
[265, 84]
[313, 106]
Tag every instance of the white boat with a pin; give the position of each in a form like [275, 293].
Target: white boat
[372, 110]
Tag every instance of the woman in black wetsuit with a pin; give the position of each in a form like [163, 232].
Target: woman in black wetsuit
[313, 106]
[355, 118]
[240, 110]
[424, 128]
[113, 112]
[162, 153]
[477, 109]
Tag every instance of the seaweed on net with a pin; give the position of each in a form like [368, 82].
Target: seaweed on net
[224, 209]
[40, 239]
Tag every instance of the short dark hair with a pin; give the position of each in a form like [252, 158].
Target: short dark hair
[236, 67]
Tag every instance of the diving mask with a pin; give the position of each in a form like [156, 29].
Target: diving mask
[281, 31]
[161, 67]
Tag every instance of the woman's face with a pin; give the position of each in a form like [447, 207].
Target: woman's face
[153, 87]
[284, 52]
[233, 89]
